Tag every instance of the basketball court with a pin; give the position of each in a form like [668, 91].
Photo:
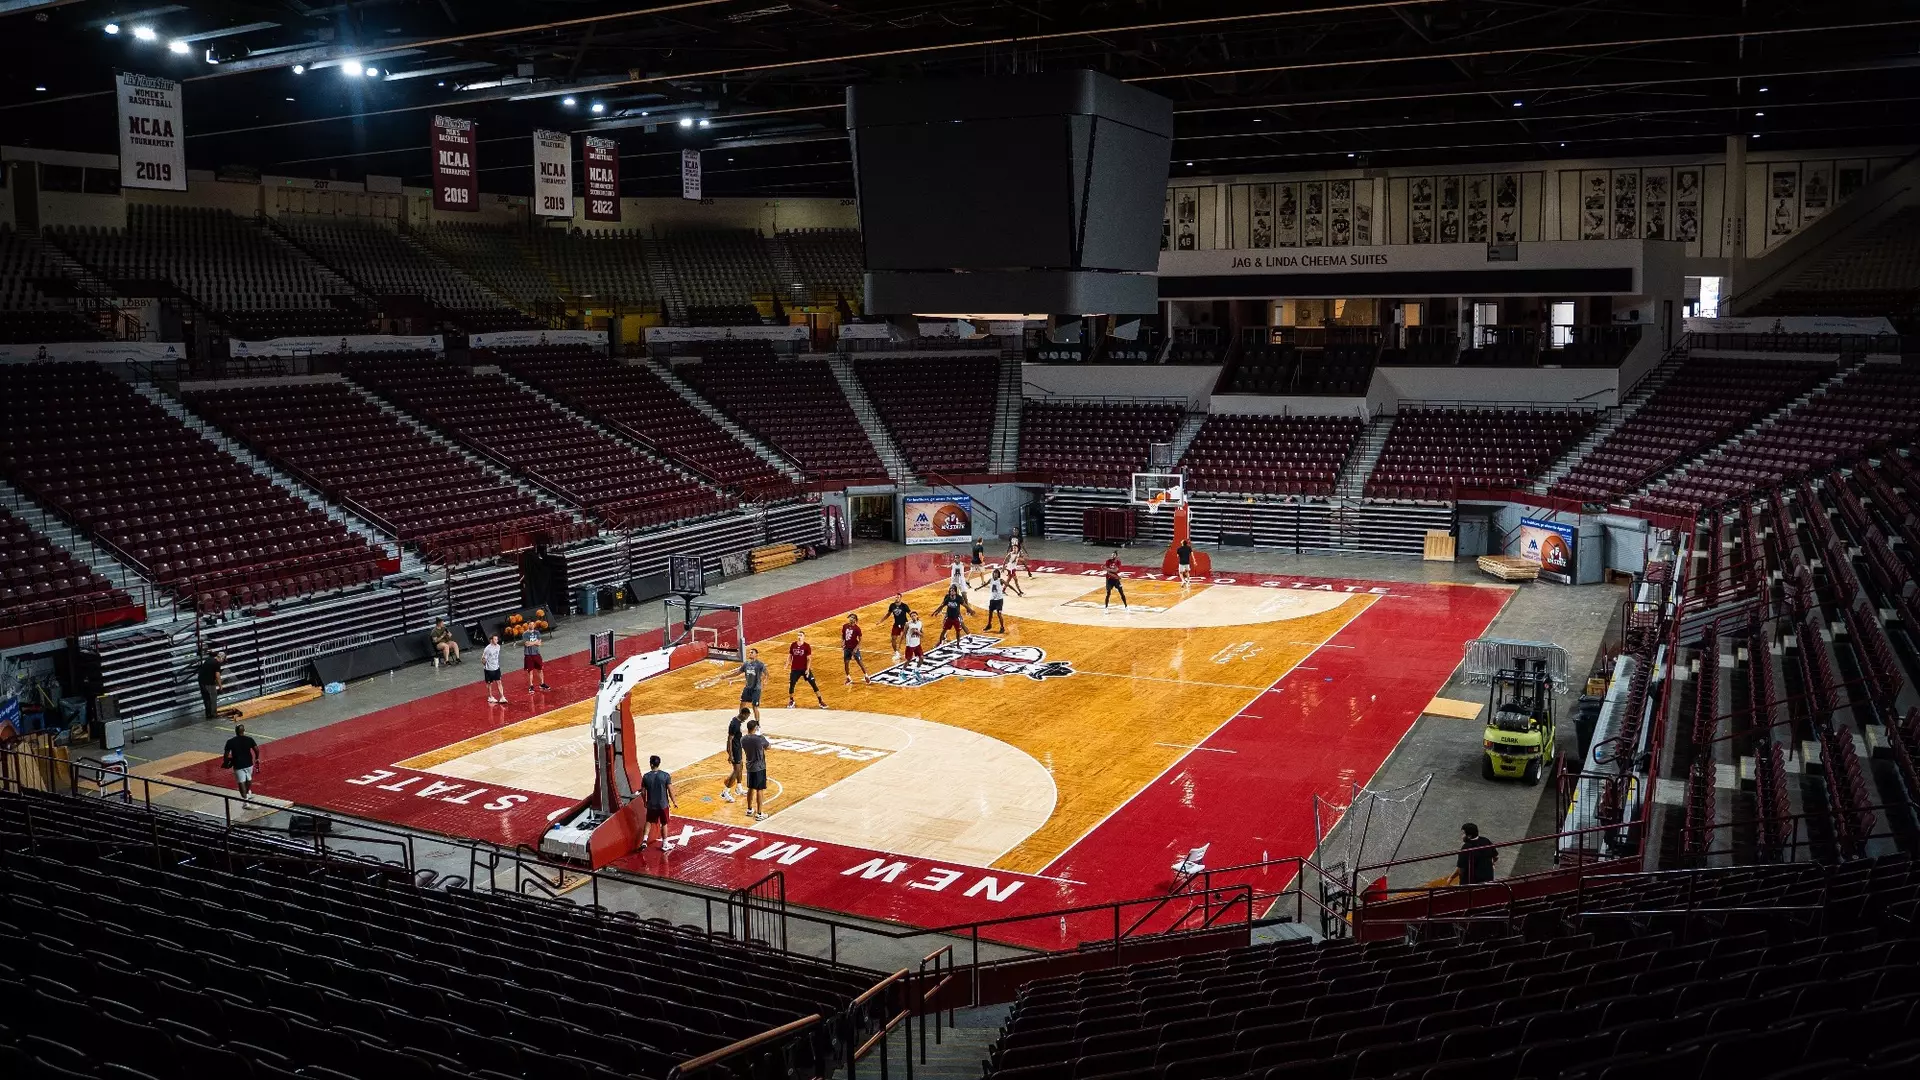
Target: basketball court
[1068, 761]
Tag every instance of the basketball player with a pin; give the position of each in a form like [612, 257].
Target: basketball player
[850, 649]
[536, 668]
[735, 728]
[800, 666]
[755, 673]
[1017, 553]
[957, 574]
[950, 609]
[1113, 581]
[656, 786]
[979, 562]
[754, 746]
[914, 635]
[1015, 560]
[996, 601]
[900, 613]
[1185, 553]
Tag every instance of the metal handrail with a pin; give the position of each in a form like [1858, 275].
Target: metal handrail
[732, 1050]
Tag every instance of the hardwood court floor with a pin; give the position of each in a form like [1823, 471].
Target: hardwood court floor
[1067, 760]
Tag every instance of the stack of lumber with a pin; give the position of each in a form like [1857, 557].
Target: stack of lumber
[772, 557]
[1510, 567]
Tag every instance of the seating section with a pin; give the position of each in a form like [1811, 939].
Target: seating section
[1344, 370]
[1201, 345]
[255, 282]
[28, 315]
[939, 412]
[1430, 452]
[1086, 444]
[1263, 369]
[637, 402]
[722, 267]
[603, 269]
[522, 432]
[1874, 404]
[191, 518]
[1874, 273]
[1707, 400]
[384, 262]
[358, 454]
[1270, 455]
[1610, 998]
[830, 263]
[794, 403]
[497, 257]
[210, 953]
[39, 581]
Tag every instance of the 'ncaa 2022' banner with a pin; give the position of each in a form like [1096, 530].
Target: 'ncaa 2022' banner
[153, 135]
[937, 519]
[601, 157]
[456, 165]
[1552, 544]
[552, 174]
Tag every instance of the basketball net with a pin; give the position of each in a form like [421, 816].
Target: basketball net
[1363, 833]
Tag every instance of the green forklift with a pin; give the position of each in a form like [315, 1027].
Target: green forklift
[1518, 740]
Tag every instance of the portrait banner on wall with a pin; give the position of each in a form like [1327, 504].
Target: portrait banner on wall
[456, 170]
[1286, 215]
[1850, 181]
[1420, 205]
[1166, 223]
[153, 132]
[1816, 191]
[1339, 213]
[601, 157]
[1449, 209]
[1506, 208]
[1363, 224]
[1655, 196]
[1479, 208]
[1260, 234]
[1186, 219]
[1686, 204]
[1593, 205]
[1626, 204]
[1313, 214]
[1783, 203]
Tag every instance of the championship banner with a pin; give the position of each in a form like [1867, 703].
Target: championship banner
[456, 176]
[690, 175]
[153, 147]
[602, 160]
[552, 174]
[1551, 543]
[938, 519]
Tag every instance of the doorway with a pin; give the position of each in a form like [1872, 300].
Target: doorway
[872, 517]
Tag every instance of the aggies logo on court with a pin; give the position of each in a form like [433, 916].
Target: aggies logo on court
[977, 656]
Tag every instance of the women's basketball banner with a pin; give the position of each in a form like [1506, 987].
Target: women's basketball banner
[602, 160]
[552, 174]
[456, 175]
[1552, 544]
[153, 135]
[938, 519]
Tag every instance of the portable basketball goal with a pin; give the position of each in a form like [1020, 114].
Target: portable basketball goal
[1168, 489]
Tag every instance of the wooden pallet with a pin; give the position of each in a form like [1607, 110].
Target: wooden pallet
[1510, 567]
[1440, 546]
[772, 557]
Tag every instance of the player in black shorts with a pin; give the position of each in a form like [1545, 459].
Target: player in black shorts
[950, 610]
[978, 563]
[899, 612]
[1185, 554]
[996, 601]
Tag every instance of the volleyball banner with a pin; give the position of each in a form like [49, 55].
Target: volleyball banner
[153, 146]
[602, 160]
[552, 174]
[456, 176]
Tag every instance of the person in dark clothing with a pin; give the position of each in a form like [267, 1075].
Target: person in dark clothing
[212, 676]
[242, 755]
[656, 786]
[1477, 855]
[1112, 567]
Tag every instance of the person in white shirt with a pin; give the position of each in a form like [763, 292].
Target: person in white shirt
[915, 632]
[996, 600]
[957, 576]
[490, 671]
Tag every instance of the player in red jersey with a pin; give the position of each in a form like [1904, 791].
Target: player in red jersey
[800, 666]
[850, 648]
[1113, 582]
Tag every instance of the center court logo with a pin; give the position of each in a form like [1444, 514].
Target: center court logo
[977, 656]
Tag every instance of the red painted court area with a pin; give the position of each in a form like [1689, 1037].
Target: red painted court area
[1245, 789]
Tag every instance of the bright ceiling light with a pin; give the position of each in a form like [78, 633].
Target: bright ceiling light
[178, 47]
[686, 121]
[567, 101]
[299, 69]
[211, 58]
[599, 107]
[352, 68]
[1759, 114]
[1763, 89]
[373, 73]
[704, 122]
[40, 89]
[144, 33]
[112, 28]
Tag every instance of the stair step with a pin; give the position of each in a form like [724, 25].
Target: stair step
[725, 422]
[891, 457]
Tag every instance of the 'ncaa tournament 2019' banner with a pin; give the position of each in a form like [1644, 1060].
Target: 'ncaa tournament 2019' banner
[456, 175]
[1552, 544]
[938, 519]
[153, 136]
[552, 174]
[602, 160]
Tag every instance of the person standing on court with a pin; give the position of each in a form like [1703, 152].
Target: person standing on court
[1477, 855]
[913, 636]
[996, 601]
[536, 667]
[1113, 582]
[979, 561]
[490, 671]
[755, 673]
[212, 677]
[951, 607]
[850, 648]
[754, 746]
[1185, 554]
[899, 612]
[800, 667]
[656, 784]
[242, 755]
[735, 731]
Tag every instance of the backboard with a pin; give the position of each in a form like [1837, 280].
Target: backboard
[686, 575]
[1152, 489]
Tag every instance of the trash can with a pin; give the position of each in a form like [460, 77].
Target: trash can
[588, 601]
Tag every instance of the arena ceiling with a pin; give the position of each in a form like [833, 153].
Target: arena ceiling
[1257, 86]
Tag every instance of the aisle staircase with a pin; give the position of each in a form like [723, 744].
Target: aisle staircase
[1004, 451]
[1354, 472]
[1183, 436]
[1719, 449]
[895, 462]
[795, 290]
[666, 287]
[75, 543]
[708, 409]
[1617, 415]
[575, 414]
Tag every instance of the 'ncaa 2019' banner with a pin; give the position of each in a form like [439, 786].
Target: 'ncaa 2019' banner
[456, 166]
[690, 175]
[552, 174]
[602, 160]
[937, 519]
[153, 136]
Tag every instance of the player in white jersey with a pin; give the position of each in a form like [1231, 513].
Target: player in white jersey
[1015, 560]
[996, 600]
[957, 576]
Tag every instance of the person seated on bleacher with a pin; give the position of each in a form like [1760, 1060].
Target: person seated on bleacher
[447, 649]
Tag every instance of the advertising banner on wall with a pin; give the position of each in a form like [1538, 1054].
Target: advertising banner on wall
[456, 166]
[676, 334]
[690, 175]
[513, 339]
[938, 519]
[105, 352]
[552, 174]
[153, 135]
[354, 343]
[601, 158]
[1552, 544]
